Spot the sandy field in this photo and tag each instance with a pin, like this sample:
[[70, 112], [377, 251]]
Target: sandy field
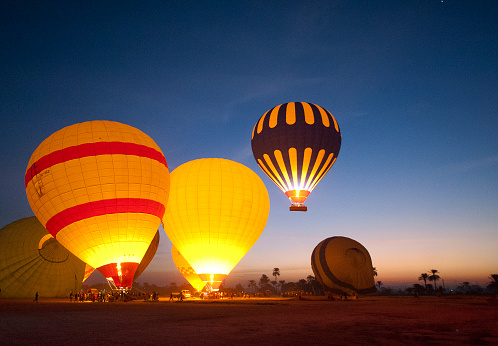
[[370, 320]]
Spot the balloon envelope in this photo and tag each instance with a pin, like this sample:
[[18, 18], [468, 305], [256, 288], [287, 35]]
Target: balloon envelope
[[216, 212], [343, 265], [31, 261], [100, 188], [186, 270], [296, 144]]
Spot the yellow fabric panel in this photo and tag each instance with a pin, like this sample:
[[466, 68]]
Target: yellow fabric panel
[[290, 113], [275, 172], [328, 168], [274, 117], [261, 122], [309, 117], [263, 166], [306, 164], [111, 238], [293, 163], [318, 160], [322, 172], [325, 117], [33, 261], [283, 169], [216, 212]]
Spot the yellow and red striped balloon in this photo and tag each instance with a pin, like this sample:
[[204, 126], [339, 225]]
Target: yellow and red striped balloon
[[100, 188]]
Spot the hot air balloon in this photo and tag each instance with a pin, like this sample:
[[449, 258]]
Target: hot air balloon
[[296, 144], [100, 188], [342, 265], [186, 270], [31, 261], [216, 212]]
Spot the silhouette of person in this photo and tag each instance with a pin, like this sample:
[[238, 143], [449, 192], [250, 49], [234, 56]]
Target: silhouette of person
[[36, 297]]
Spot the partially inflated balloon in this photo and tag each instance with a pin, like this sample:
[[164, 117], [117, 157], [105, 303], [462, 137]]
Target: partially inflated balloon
[[343, 265], [216, 212], [31, 261], [296, 144], [186, 270], [100, 188]]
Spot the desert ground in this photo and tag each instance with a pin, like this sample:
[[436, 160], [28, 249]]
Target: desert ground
[[447, 320]]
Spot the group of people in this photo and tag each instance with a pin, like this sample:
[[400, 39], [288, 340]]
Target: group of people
[[81, 297]]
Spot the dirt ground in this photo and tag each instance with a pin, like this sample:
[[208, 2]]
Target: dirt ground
[[373, 320]]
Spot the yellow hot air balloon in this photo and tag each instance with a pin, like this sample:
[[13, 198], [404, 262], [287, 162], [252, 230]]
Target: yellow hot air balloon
[[186, 270], [216, 212], [296, 144], [100, 188]]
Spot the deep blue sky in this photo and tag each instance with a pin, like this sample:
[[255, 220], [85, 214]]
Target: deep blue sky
[[412, 84]]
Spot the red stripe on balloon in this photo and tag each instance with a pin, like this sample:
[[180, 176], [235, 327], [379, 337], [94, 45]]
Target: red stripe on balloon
[[92, 149], [103, 207]]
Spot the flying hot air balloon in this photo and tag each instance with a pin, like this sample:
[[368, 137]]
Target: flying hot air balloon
[[186, 270], [342, 265], [100, 188], [216, 212], [296, 144]]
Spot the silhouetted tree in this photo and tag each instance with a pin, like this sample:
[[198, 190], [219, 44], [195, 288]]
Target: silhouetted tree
[[424, 277], [276, 272], [493, 285], [419, 289], [374, 270], [264, 282], [379, 283], [301, 284], [434, 277], [465, 287]]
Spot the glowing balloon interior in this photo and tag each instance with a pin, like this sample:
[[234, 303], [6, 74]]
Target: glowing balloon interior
[[100, 188], [343, 265], [296, 144], [186, 270], [216, 212]]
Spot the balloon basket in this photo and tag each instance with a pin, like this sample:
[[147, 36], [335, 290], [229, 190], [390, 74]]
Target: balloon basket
[[298, 207]]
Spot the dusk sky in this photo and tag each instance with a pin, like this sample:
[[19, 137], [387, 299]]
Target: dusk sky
[[413, 86]]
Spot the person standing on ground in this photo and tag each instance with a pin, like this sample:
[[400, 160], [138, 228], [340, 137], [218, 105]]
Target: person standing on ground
[[36, 298]]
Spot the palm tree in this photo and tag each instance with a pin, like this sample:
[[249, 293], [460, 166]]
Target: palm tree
[[374, 270], [434, 277], [424, 277], [276, 272], [379, 283], [493, 285]]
